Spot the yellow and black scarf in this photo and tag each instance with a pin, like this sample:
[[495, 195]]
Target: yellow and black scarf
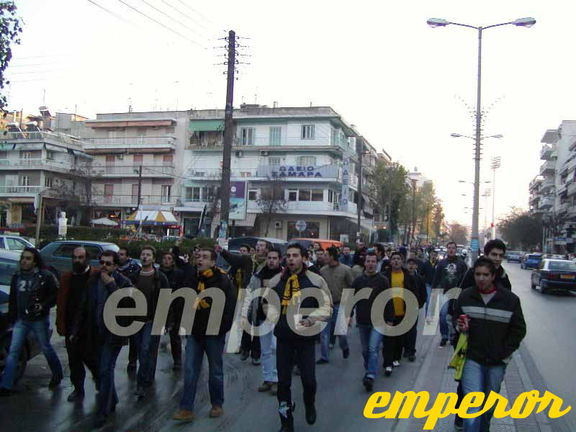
[[202, 278], [291, 292]]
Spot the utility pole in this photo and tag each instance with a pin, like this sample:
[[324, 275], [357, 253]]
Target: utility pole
[[228, 137], [495, 165], [413, 228], [138, 212], [39, 217], [360, 149]]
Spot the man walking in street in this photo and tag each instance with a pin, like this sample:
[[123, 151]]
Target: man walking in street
[[449, 273], [33, 292], [149, 282], [429, 268], [129, 268], [346, 258], [338, 277], [70, 322], [199, 342], [494, 250], [399, 278], [256, 317], [492, 317], [296, 348], [370, 337], [174, 276], [420, 291], [101, 285]]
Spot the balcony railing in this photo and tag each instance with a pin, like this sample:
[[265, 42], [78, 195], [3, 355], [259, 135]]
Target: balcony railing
[[546, 152], [32, 191], [161, 142], [42, 164], [548, 167], [545, 203], [49, 137], [132, 200], [132, 170]]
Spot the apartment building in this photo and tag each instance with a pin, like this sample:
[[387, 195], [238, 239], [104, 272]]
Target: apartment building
[[137, 160], [34, 161], [294, 173]]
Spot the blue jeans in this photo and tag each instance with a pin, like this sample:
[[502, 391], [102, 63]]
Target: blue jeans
[[370, 339], [325, 335], [196, 346], [107, 398], [268, 357], [478, 378], [20, 332], [445, 325], [147, 348], [428, 295]]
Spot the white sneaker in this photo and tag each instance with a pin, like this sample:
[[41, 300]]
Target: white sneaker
[[388, 370], [395, 363]]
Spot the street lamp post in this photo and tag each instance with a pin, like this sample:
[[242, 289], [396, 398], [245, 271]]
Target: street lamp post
[[437, 22], [495, 165]]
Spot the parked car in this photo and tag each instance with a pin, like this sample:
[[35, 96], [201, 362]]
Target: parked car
[[8, 265], [235, 243], [514, 256], [531, 261], [554, 274], [324, 243], [58, 254], [14, 243]]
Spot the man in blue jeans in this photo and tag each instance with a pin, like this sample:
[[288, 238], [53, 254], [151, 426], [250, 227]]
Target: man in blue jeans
[[449, 272], [33, 292], [370, 337], [200, 340], [492, 317]]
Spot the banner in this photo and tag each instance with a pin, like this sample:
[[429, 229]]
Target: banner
[[237, 200]]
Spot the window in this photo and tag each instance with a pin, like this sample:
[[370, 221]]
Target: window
[[135, 193], [24, 181], [209, 193], [307, 132], [274, 160], [49, 155], [138, 159], [247, 136], [7, 269], [166, 192], [252, 194], [108, 192], [307, 161], [330, 196], [334, 136], [167, 160], [15, 244], [193, 194], [317, 195], [292, 195], [48, 181], [275, 136], [65, 250], [304, 195], [3, 154], [93, 252], [245, 174]]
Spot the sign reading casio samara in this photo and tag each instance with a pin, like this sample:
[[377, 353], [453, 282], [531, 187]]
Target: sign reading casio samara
[[296, 171]]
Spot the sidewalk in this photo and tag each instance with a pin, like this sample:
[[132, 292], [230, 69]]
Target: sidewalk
[[517, 380]]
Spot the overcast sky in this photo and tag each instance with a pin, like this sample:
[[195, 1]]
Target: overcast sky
[[405, 86]]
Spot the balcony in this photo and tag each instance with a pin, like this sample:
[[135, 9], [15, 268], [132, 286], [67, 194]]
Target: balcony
[[546, 152], [547, 185], [571, 189], [204, 174], [165, 170], [535, 184], [546, 203], [548, 168], [562, 188], [27, 192], [42, 164], [162, 144], [25, 137], [131, 200]]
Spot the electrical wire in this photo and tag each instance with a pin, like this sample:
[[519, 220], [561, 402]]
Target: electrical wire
[[121, 18], [184, 14], [169, 17]]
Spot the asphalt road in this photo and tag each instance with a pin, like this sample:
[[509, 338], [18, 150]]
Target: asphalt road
[[551, 321]]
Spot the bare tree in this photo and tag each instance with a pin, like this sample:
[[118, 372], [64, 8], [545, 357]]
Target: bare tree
[[272, 200]]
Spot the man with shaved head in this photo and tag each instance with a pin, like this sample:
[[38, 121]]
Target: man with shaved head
[[69, 323]]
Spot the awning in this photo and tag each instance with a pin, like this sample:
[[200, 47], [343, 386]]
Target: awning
[[248, 222], [206, 125], [151, 217]]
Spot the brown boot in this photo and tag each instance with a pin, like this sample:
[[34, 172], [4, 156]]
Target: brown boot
[[216, 411], [265, 386], [183, 416]]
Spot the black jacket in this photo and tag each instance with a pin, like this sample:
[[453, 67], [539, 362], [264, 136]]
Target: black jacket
[[496, 329], [241, 268], [409, 284], [160, 282], [421, 293], [378, 283], [44, 289], [219, 280], [429, 269], [500, 279], [449, 273]]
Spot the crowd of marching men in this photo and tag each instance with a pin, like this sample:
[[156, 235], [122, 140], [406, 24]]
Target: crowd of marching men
[[286, 341]]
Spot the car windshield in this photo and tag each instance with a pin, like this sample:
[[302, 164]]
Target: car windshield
[[534, 256], [562, 265]]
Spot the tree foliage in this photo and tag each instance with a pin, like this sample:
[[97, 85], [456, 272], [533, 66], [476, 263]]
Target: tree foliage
[[522, 230], [272, 200], [458, 233], [10, 29]]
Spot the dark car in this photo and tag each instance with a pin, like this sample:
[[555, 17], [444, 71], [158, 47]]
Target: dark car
[[8, 266], [58, 254], [531, 261], [554, 274], [514, 256]]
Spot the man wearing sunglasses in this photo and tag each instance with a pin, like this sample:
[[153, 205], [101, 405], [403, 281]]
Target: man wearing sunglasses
[[101, 286]]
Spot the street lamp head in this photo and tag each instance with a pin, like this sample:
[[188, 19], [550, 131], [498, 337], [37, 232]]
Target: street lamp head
[[496, 136], [455, 135], [437, 22], [524, 22]]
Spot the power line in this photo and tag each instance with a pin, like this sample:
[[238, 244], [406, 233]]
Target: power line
[[194, 10], [159, 23], [114, 14], [185, 15], [168, 16]]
